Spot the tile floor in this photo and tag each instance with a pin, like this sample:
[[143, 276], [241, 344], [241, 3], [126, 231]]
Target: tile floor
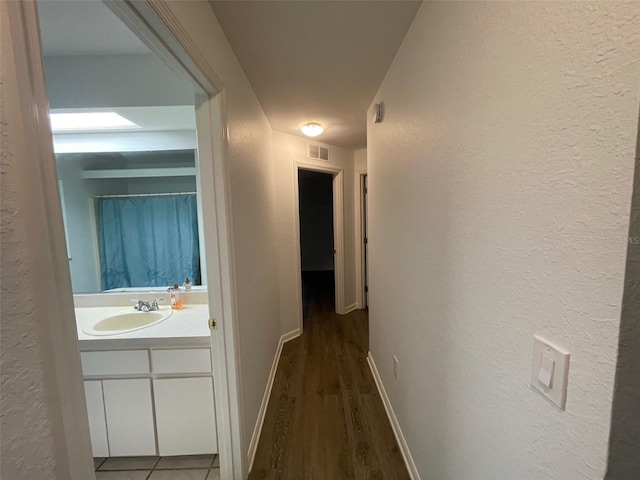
[[189, 467]]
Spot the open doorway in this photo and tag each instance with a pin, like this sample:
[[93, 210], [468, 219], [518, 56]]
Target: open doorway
[[317, 250], [335, 176], [148, 395]]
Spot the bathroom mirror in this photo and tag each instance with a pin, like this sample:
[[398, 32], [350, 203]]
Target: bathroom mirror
[[131, 219], [124, 136]]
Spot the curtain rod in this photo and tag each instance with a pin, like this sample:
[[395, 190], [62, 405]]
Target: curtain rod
[[128, 195]]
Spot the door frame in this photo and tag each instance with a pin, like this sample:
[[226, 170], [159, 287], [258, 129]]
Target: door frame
[[360, 223], [338, 233], [155, 25]]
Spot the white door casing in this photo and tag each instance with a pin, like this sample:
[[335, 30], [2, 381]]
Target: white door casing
[[156, 26], [338, 233]]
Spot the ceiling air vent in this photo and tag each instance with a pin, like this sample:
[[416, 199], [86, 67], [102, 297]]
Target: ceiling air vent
[[318, 153]]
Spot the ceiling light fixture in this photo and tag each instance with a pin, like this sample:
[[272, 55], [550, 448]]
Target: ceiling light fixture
[[63, 122], [312, 129]]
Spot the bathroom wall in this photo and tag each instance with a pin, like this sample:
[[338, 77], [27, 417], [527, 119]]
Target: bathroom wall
[[500, 182]]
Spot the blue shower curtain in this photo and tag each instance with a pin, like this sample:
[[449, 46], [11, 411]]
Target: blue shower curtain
[[148, 241]]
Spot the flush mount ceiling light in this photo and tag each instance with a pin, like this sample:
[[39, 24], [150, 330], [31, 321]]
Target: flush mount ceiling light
[[62, 122], [312, 129]]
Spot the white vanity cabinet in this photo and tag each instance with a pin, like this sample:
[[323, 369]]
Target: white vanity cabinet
[[128, 411], [97, 420], [152, 401], [182, 405]]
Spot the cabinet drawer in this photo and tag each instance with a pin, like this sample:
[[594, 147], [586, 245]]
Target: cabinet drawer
[[183, 360], [122, 362]]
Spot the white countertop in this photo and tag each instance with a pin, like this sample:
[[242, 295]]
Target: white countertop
[[188, 326]]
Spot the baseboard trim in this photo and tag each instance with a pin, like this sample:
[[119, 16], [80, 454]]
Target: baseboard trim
[[257, 430], [351, 308], [397, 431]]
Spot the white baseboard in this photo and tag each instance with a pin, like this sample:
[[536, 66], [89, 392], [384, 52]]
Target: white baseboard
[[404, 448], [253, 445], [351, 308]]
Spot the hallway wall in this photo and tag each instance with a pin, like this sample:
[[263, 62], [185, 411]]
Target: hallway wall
[[500, 185]]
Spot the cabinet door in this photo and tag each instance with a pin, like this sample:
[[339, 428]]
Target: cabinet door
[[129, 415], [97, 422], [185, 416]]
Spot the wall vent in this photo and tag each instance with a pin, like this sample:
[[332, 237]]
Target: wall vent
[[317, 152]]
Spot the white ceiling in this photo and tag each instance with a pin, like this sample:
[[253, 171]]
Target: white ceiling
[[320, 61], [84, 27], [307, 61]]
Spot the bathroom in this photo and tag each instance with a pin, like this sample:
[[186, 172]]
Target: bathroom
[[124, 134]]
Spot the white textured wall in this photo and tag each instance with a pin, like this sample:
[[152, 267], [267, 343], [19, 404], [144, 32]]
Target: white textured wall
[[360, 159], [252, 186], [500, 188], [287, 150], [45, 432]]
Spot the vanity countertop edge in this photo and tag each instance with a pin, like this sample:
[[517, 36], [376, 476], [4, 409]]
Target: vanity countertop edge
[[185, 327]]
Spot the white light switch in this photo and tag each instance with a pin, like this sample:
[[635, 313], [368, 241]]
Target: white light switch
[[545, 374], [550, 371]]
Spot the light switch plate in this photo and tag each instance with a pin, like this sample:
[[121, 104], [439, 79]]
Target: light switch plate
[[557, 393]]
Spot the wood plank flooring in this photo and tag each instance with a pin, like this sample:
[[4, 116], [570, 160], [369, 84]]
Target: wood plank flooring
[[325, 418]]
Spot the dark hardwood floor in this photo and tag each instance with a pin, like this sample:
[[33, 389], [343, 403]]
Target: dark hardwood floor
[[325, 418]]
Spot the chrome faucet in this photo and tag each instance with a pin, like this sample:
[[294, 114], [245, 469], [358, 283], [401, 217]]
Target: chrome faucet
[[147, 306]]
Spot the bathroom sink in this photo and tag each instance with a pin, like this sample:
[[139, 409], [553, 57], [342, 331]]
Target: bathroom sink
[[127, 321]]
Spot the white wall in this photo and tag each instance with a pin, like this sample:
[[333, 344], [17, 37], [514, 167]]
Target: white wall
[[45, 432], [252, 183], [360, 160], [113, 81], [500, 187], [287, 150]]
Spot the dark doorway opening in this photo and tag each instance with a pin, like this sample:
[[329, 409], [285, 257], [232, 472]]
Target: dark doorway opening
[[317, 251]]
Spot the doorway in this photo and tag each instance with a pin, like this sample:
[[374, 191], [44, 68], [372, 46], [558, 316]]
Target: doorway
[[336, 176], [317, 251], [205, 170]]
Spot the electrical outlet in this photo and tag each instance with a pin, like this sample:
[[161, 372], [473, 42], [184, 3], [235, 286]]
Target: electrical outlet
[[395, 366]]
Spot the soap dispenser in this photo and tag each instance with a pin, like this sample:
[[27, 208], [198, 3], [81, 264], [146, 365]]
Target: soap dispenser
[[177, 302]]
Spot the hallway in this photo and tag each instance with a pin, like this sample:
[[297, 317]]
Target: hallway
[[325, 418]]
